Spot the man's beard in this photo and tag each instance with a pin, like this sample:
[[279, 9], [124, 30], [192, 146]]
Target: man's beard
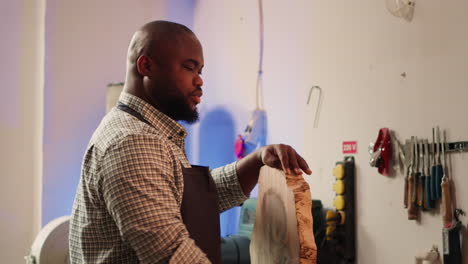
[[179, 109]]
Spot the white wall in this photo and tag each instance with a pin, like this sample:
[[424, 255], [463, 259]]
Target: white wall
[[86, 46], [356, 53], [21, 72], [229, 32]]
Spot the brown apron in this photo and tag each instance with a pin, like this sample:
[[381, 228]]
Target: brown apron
[[200, 208], [200, 211]]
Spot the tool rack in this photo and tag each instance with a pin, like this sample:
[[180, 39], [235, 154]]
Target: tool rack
[[340, 242], [428, 183]]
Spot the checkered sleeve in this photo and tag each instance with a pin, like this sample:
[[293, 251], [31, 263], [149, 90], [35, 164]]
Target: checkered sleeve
[[229, 189], [139, 190]]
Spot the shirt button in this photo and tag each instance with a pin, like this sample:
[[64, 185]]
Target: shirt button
[[170, 138]]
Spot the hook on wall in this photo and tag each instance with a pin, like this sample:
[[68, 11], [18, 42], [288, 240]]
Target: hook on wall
[[319, 102]]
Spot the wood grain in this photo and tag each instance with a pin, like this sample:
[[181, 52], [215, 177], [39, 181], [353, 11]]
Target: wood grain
[[283, 222]]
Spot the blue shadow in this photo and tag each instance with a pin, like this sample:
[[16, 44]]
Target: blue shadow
[[216, 148]]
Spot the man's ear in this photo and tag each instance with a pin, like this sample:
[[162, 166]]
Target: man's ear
[[145, 66]]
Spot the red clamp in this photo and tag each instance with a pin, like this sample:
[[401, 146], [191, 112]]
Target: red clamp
[[383, 151]]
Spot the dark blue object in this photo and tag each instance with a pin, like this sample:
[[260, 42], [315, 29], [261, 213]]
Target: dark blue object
[[235, 250], [427, 193], [452, 245], [433, 183], [438, 181]]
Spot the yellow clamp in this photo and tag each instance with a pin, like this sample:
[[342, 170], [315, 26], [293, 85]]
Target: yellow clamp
[[339, 202], [339, 187], [330, 219], [329, 231], [330, 215], [342, 217], [338, 171]]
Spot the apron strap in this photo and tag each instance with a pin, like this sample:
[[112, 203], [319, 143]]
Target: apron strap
[[127, 109]]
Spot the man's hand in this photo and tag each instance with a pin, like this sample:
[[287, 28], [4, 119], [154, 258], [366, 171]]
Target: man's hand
[[282, 157]]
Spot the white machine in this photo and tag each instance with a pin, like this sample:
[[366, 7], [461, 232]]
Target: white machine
[[51, 244]]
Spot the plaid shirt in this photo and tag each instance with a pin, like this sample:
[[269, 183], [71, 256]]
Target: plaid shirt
[[127, 206]]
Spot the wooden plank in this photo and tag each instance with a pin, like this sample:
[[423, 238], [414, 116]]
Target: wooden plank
[[283, 221]]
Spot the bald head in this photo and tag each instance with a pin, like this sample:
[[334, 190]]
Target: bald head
[[152, 38]]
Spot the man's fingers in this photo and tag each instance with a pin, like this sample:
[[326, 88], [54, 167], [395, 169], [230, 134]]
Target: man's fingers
[[284, 158], [304, 166], [293, 161]]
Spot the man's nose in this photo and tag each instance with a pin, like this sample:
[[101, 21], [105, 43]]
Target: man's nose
[[198, 81]]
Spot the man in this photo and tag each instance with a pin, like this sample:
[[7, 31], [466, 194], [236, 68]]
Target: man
[[139, 200]]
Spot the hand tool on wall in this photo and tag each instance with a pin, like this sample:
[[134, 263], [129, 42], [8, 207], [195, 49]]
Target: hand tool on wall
[[451, 240], [412, 209], [420, 175], [398, 159], [401, 157], [428, 202], [382, 152], [408, 163], [416, 175], [439, 169], [447, 208], [434, 165], [451, 230]]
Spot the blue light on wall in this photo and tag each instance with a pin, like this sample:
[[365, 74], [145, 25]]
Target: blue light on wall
[[216, 143]]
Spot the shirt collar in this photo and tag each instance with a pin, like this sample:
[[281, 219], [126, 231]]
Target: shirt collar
[[168, 127]]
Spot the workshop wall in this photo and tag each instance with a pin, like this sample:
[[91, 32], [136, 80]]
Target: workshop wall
[[357, 53], [21, 73], [86, 47]]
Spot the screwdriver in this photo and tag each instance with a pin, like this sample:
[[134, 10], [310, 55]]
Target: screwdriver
[[447, 213], [428, 202], [433, 168], [409, 164], [421, 177], [452, 229], [412, 209], [439, 172]]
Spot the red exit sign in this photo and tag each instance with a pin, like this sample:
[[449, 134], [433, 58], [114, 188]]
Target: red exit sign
[[349, 147]]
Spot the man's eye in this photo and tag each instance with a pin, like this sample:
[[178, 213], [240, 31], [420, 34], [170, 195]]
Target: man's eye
[[188, 68]]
